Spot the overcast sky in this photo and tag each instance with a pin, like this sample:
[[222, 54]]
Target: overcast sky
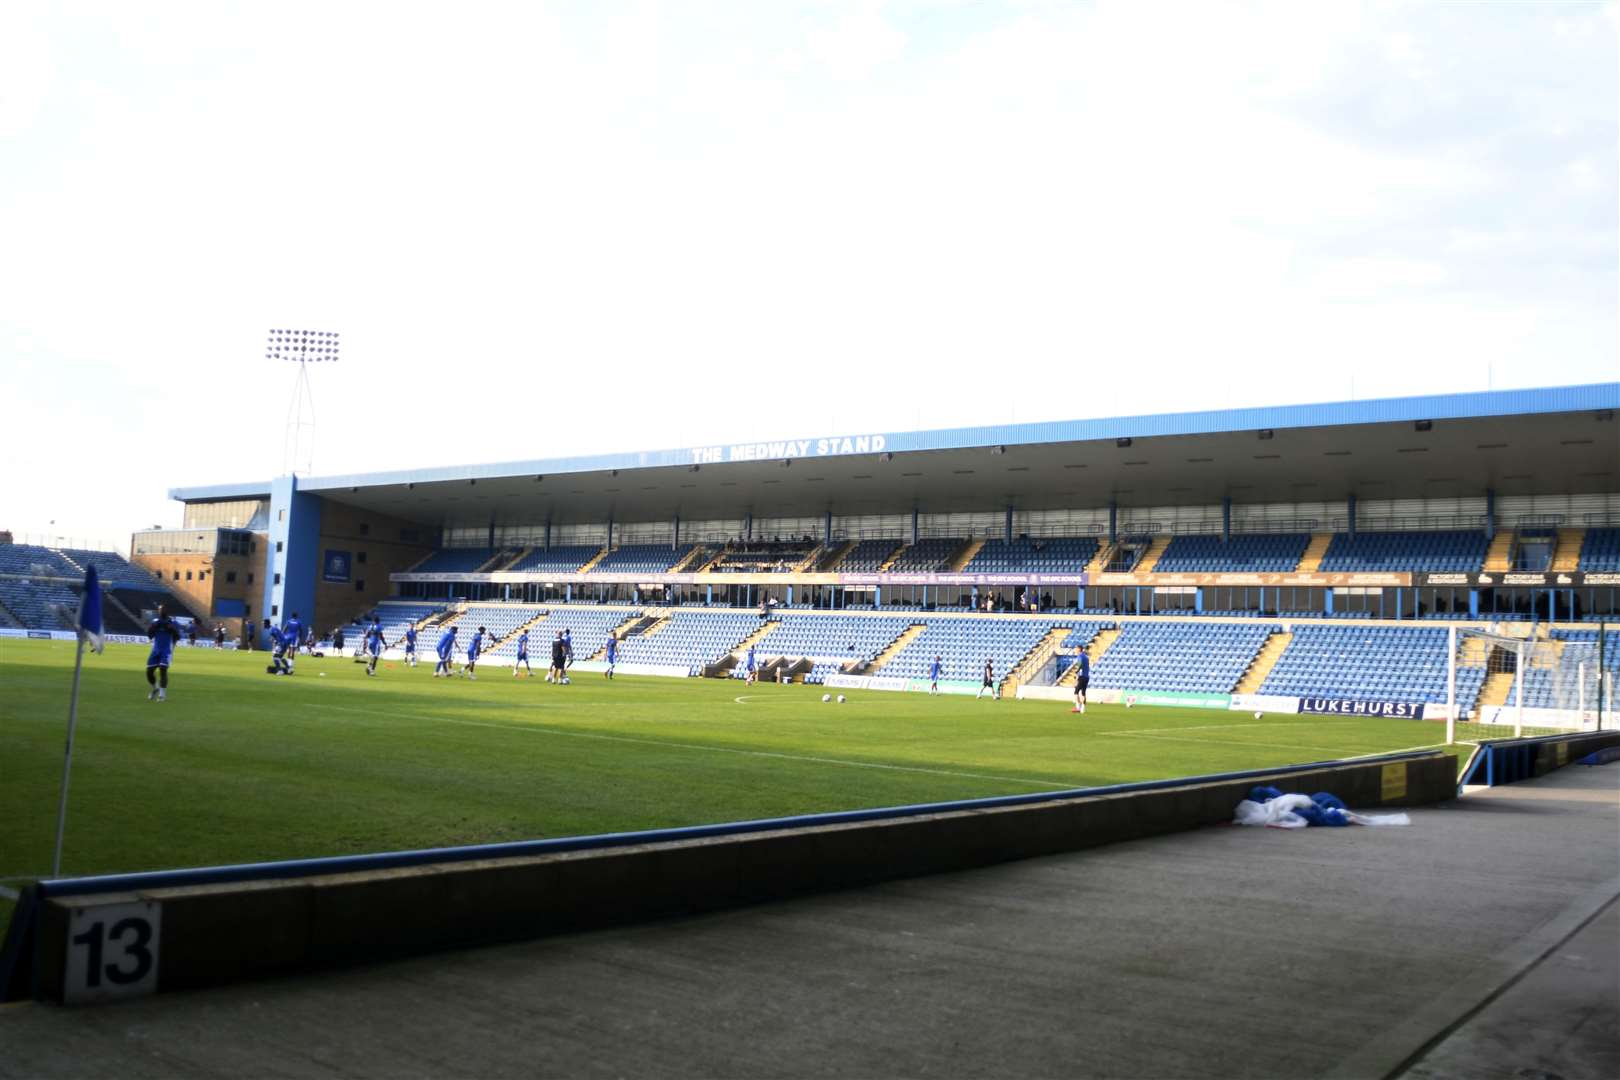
[[565, 228]]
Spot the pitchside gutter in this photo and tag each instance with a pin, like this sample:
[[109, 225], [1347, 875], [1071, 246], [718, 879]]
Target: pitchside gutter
[[90, 939]]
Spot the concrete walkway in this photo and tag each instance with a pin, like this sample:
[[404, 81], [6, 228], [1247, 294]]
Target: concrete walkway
[[1431, 950]]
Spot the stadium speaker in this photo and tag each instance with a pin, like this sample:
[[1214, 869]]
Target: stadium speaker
[[1122, 443]]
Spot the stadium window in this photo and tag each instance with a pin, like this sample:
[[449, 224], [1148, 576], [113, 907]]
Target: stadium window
[[360, 557], [365, 528], [188, 575], [177, 575], [230, 577], [275, 609], [250, 577], [277, 581], [281, 515], [359, 584], [278, 547]]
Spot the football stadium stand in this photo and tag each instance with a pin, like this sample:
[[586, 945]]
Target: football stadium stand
[[830, 642], [456, 560], [555, 560], [868, 556], [39, 605], [1244, 552], [1440, 550], [1601, 551], [1179, 656], [965, 644], [688, 639], [1045, 555], [1371, 663], [927, 555], [640, 559]]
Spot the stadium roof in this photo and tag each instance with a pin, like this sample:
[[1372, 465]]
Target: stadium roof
[[1539, 441]]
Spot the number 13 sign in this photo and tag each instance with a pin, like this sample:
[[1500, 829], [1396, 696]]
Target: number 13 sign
[[113, 951]]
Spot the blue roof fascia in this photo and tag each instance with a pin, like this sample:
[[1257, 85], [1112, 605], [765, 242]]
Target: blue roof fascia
[[1477, 404]]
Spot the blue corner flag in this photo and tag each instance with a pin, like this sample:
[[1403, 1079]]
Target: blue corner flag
[[90, 611]]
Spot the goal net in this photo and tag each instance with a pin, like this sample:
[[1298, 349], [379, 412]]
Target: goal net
[[1520, 680]]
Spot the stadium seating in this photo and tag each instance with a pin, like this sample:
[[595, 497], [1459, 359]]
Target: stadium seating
[[1041, 555], [831, 641], [964, 644], [456, 560], [927, 555], [395, 617], [1243, 553], [1601, 551], [556, 560], [1370, 663], [1188, 657], [689, 639], [762, 556], [1457, 550], [640, 559], [35, 604], [34, 561], [110, 566], [866, 556]]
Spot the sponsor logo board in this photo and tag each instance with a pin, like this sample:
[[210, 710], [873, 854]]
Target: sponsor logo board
[[1332, 706]]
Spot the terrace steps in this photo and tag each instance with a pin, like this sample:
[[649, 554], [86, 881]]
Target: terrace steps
[[1311, 561], [892, 649], [1035, 659], [1567, 555], [1499, 556], [810, 559], [833, 556], [620, 632], [500, 560], [1498, 685], [1099, 562], [516, 630], [894, 557], [1264, 660], [964, 556], [756, 637], [1150, 557], [692, 555], [593, 560], [1095, 649]]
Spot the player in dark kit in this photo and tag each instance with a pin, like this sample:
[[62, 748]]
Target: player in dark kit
[[1082, 679], [164, 632], [989, 682], [374, 644], [559, 661]]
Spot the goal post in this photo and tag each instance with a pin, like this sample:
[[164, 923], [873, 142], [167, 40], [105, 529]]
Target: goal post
[[1517, 680]]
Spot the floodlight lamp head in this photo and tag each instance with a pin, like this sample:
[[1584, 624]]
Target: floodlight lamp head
[[302, 346]]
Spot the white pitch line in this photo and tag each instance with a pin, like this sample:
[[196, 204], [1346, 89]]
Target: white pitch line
[[665, 744]]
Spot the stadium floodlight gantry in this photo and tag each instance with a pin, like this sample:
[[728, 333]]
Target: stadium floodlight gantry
[[1485, 507]]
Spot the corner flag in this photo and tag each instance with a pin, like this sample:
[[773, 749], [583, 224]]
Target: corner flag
[[89, 626]]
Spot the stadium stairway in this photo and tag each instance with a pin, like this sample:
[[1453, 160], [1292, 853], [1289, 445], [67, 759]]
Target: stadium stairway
[[1095, 649], [1499, 556], [693, 555], [540, 616], [1150, 557], [1567, 555], [755, 638], [8, 620], [1036, 658], [1264, 661], [808, 563], [593, 560], [833, 556], [1099, 562], [1498, 685], [964, 556], [622, 631], [501, 560], [1311, 561], [893, 648]]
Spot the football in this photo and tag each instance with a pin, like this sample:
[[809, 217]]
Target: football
[[840, 699], [1258, 714], [826, 697]]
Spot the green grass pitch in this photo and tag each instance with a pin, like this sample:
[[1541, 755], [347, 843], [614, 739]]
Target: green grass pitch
[[241, 766]]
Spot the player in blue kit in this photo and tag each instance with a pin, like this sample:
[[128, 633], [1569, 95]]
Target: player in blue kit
[[753, 673], [292, 636], [410, 645], [1082, 679], [933, 675], [374, 644], [612, 654], [522, 655], [446, 648], [474, 647], [278, 649], [164, 632]]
